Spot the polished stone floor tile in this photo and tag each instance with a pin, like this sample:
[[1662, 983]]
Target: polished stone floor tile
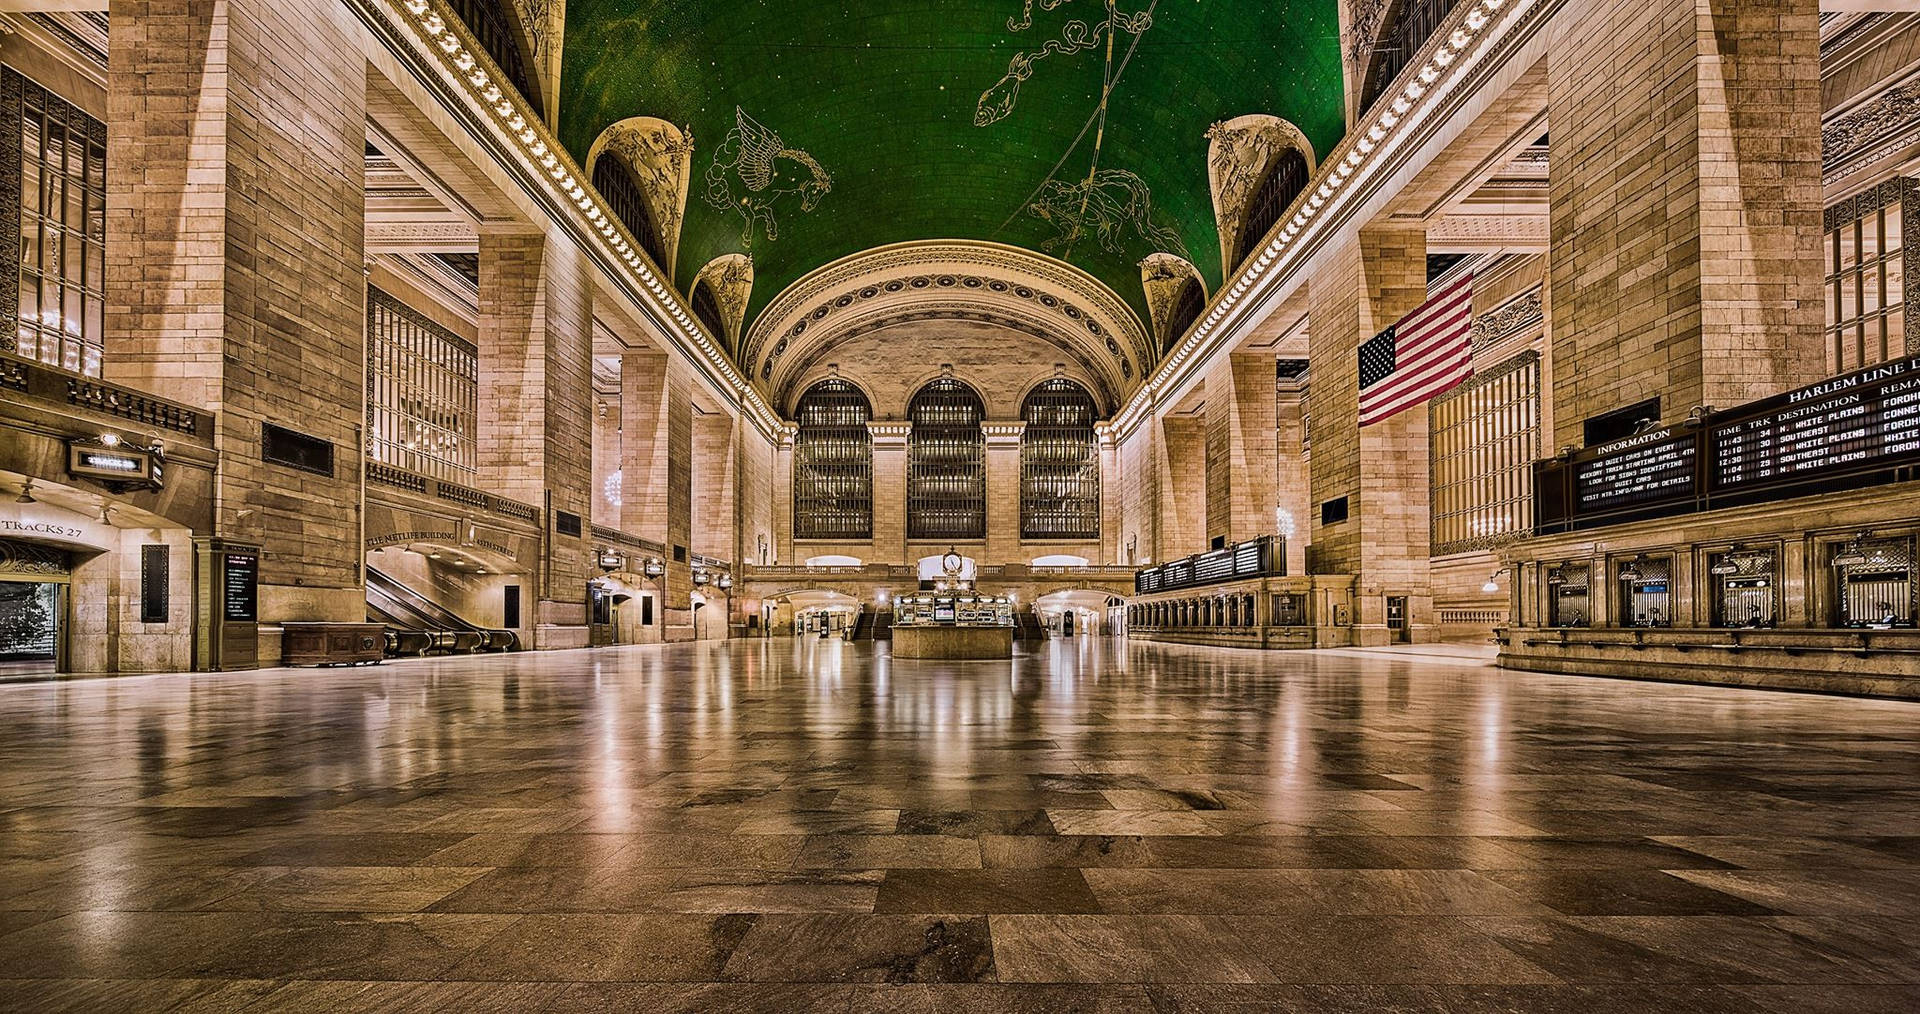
[[1102, 827]]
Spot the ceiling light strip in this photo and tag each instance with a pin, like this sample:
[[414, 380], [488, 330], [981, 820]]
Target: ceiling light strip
[[477, 74], [1360, 157]]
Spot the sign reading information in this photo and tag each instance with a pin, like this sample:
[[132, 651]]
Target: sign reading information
[[1639, 471]]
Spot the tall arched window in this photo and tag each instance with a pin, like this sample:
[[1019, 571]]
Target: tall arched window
[[1282, 184], [1059, 463], [707, 308], [493, 24], [946, 463], [1187, 308], [624, 198], [833, 464]]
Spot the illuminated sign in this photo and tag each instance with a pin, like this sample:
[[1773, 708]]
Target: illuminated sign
[[118, 467]]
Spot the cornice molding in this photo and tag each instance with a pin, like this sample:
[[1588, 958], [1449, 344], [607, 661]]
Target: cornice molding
[[1050, 298]]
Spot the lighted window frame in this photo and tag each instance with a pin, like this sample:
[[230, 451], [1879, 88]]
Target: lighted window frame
[[833, 464], [946, 463], [423, 392], [1059, 463], [1864, 254], [59, 315], [1484, 437]]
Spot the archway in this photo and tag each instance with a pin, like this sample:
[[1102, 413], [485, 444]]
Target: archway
[[1075, 612]]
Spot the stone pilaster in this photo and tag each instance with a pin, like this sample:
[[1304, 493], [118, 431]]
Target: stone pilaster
[[1685, 193], [1003, 489], [889, 491], [716, 521], [1181, 488], [235, 265], [536, 409], [1241, 450], [782, 493], [1381, 471], [657, 450]]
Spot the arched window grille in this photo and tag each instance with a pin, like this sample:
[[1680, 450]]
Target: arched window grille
[[946, 463], [492, 25], [1282, 184], [1059, 463], [707, 308], [1186, 309], [833, 464], [623, 196], [1409, 24]]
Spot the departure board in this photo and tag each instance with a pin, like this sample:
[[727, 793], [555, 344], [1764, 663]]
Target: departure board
[[1864, 421], [1639, 472]]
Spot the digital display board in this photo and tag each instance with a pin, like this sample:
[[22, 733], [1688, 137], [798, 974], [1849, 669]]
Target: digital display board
[[1862, 422], [1637, 472], [1856, 430]]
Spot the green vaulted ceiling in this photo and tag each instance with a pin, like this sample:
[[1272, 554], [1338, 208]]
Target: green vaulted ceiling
[[900, 120]]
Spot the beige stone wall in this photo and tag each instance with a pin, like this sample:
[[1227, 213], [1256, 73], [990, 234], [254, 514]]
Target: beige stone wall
[[1181, 469], [1137, 465], [714, 524], [1685, 190], [234, 261]]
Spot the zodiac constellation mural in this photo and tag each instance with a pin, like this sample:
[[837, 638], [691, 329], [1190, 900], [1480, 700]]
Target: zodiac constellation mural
[[1104, 207], [1076, 36], [753, 171]]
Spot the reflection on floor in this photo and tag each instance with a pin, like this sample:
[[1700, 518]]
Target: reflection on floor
[[809, 825]]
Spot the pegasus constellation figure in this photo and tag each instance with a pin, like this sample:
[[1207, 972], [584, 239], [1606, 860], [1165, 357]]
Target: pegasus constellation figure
[[1075, 36], [753, 170]]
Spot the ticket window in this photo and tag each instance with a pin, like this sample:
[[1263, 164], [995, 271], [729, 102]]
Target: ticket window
[[1645, 591], [1876, 583], [1743, 583], [1569, 595]]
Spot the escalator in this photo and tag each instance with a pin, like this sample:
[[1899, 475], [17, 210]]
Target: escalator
[[416, 625]]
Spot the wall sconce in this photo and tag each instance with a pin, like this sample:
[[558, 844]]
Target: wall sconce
[[654, 567], [1630, 571], [1492, 587]]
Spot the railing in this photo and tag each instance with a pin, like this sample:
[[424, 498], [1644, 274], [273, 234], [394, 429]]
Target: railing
[[711, 563], [1400, 42], [615, 536], [1265, 556], [439, 489], [43, 383]]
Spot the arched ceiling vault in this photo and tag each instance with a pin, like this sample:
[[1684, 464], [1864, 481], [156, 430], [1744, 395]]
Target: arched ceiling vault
[[821, 128], [949, 279]]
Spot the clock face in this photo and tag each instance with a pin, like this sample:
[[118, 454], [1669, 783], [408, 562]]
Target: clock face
[[951, 563]]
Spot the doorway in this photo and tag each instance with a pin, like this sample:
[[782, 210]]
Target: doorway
[[32, 634], [1398, 630]]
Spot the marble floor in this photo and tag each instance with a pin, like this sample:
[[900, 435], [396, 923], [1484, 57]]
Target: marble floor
[[811, 826]]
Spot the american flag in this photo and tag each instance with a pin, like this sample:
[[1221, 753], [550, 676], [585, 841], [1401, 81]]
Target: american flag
[[1427, 353]]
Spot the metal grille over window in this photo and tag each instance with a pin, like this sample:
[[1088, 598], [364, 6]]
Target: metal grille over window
[[1485, 437], [1186, 309], [833, 464], [422, 392], [1645, 592], [1277, 192], [1876, 586], [1743, 584], [62, 230], [1059, 464], [1865, 253], [946, 463], [1569, 595], [622, 193]]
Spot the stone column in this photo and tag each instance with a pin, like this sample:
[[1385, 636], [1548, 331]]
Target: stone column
[[716, 524], [1685, 204], [1003, 492], [1381, 471], [1241, 450], [235, 266], [1113, 512], [1292, 491], [889, 491], [1182, 501], [783, 499], [606, 454], [657, 450], [536, 405]]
